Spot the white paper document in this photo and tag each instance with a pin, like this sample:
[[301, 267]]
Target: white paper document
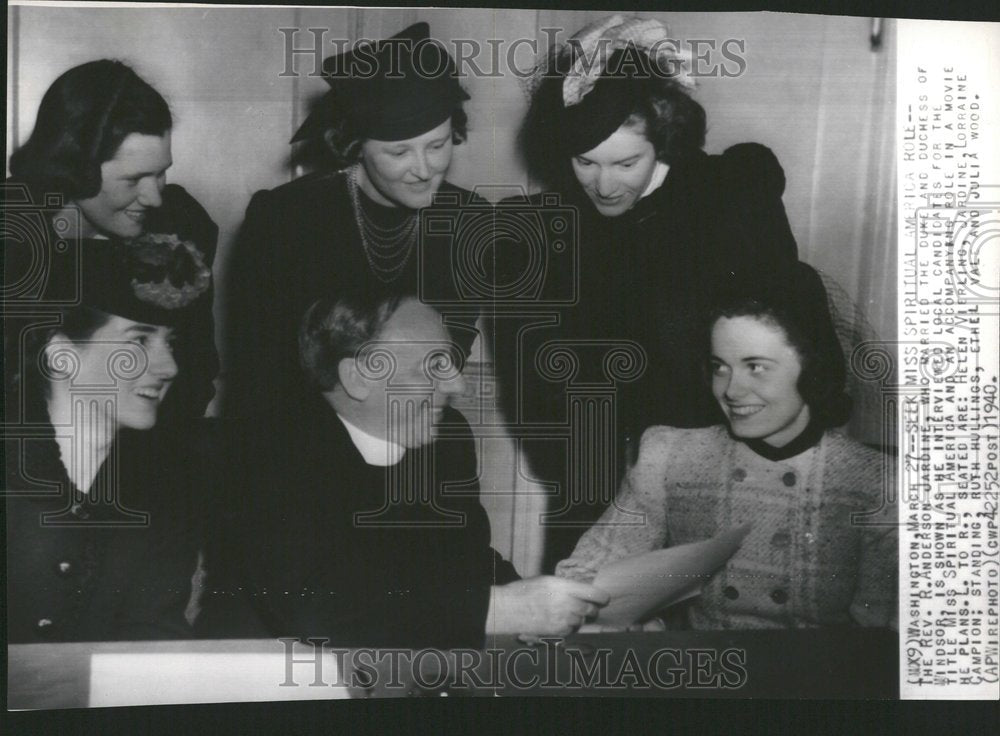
[[644, 583]]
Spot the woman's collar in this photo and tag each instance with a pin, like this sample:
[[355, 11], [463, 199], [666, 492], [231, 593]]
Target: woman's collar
[[808, 438], [660, 171]]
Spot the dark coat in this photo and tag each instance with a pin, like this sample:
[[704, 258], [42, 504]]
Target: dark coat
[[648, 276], [79, 569], [293, 557], [52, 283], [298, 243]]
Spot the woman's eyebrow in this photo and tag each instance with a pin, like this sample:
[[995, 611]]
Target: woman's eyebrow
[[144, 174], [627, 160], [143, 329]]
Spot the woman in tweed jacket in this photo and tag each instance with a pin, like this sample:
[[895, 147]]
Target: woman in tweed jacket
[[822, 547]]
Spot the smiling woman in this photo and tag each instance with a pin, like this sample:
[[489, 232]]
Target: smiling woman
[[754, 377], [620, 170], [406, 173], [388, 138], [614, 130], [101, 540], [822, 546], [131, 184], [137, 398]]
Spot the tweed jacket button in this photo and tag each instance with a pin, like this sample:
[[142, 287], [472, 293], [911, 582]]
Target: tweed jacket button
[[64, 569], [788, 479], [739, 475], [79, 512], [730, 592], [779, 596], [781, 540]]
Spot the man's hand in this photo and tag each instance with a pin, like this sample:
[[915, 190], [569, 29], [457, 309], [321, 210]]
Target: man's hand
[[542, 605]]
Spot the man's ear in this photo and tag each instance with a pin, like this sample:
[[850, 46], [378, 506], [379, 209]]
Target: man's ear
[[351, 379]]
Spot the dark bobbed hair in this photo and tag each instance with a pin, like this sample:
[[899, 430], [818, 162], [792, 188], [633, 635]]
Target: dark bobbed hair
[[661, 107], [334, 329], [26, 381], [795, 301], [340, 145], [82, 120]]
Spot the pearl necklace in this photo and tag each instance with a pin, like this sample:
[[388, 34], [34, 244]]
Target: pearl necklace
[[387, 250]]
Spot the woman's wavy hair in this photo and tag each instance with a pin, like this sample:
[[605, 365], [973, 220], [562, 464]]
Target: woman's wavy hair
[[27, 380], [672, 121], [83, 119], [795, 301]]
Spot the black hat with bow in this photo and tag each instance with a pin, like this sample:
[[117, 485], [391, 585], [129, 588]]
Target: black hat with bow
[[388, 90]]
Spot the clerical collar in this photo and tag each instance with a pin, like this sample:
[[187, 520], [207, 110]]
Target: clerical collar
[[808, 437], [374, 450], [656, 180]]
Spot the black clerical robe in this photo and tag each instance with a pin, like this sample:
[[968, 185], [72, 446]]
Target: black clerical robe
[[318, 543]]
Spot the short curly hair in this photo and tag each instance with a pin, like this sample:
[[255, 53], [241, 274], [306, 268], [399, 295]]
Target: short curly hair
[[334, 329], [661, 107], [82, 120], [795, 301]]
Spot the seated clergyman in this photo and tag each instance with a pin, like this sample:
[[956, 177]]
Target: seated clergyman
[[358, 520]]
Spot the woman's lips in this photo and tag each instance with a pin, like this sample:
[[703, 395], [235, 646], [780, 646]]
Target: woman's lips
[[741, 412]]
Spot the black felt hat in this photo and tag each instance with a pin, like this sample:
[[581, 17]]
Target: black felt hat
[[390, 90], [155, 279], [615, 96]]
